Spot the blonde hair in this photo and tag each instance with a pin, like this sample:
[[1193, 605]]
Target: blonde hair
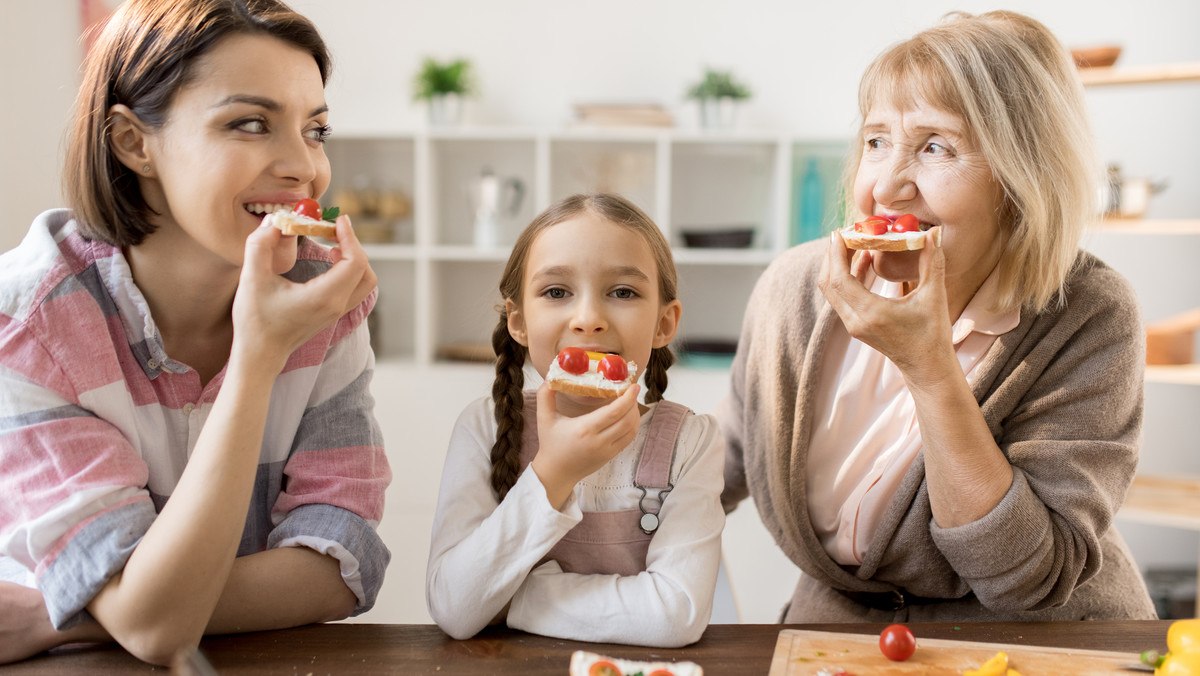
[[1015, 87], [507, 388]]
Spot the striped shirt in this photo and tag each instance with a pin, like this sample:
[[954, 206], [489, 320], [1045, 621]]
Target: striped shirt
[[97, 423]]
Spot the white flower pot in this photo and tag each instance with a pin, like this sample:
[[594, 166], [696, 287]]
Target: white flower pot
[[719, 113], [445, 110]]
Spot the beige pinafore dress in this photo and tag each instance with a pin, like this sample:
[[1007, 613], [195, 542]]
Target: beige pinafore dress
[[616, 542]]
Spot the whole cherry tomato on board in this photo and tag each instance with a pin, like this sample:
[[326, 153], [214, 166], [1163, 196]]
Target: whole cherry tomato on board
[[573, 360], [613, 367], [308, 207], [906, 223], [897, 643]]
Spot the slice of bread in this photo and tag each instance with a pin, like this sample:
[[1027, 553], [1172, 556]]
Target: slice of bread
[[582, 662], [590, 383], [888, 241], [291, 223]]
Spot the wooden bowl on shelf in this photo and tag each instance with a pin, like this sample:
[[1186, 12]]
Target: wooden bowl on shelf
[[1100, 56]]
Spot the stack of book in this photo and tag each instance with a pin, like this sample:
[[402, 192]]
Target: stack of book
[[622, 115]]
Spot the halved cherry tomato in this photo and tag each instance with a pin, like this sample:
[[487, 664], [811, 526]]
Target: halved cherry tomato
[[613, 367], [308, 207], [660, 672], [897, 643], [573, 360], [872, 225], [906, 223], [604, 668]]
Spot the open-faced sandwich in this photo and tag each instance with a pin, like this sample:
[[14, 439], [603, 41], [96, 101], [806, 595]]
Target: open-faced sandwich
[[306, 218], [591, 374], [584, 663], [880, 233]]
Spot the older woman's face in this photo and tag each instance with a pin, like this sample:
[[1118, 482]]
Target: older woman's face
[[921, 161]]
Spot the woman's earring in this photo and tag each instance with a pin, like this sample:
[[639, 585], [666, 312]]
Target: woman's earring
[[146, 169]]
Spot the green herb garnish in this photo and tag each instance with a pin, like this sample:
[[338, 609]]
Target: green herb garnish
[[330, 213]]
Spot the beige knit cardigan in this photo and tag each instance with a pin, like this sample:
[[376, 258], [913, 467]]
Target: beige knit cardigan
[[1062, 396]]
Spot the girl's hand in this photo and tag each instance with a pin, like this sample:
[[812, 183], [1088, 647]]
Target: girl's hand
[[273, 316], [570, 449], [905, 329]]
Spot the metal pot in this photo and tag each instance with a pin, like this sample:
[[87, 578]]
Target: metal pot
[[1129, 197]]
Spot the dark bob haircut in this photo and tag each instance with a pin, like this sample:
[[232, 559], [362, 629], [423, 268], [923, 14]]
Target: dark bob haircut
[[143, 56]]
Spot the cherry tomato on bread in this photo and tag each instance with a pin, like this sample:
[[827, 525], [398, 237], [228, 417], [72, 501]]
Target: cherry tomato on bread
[[613, 367], [660, 672], [604, 668], [573, 360], [308, 207], [872, 225], [897, 643], [906, 223]]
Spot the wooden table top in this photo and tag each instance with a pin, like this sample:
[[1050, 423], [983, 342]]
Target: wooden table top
[[725, 649]]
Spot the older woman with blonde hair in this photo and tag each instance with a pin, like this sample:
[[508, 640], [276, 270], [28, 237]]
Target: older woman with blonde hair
[[945, 434]]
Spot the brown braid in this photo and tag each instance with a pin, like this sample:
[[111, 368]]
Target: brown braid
[[510, 404], [656, 373]]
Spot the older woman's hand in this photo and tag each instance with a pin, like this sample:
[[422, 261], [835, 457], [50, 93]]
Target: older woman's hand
[[905, 329]]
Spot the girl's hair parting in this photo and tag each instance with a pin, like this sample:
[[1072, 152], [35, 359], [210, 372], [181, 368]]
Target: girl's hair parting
[[507, 389]]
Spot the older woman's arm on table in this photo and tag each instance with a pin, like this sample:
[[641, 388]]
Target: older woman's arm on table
[[1049, 502], [670, 603], [1072, 442]]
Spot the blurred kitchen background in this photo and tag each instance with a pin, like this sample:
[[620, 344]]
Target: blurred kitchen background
[[519, 143]]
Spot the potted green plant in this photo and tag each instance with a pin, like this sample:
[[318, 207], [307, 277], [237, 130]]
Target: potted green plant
[[443, 86], [718, 94]]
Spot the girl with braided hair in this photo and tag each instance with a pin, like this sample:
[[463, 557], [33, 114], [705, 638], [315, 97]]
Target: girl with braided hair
[[577, 517]]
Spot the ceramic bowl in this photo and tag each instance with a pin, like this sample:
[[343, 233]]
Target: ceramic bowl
[[1099, 56]]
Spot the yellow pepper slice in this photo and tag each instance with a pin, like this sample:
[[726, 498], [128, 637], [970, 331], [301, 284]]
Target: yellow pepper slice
[[997, 665], [1184, 636], [1180, 664]]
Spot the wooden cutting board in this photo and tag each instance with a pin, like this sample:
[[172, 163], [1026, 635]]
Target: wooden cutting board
[[805, 653]]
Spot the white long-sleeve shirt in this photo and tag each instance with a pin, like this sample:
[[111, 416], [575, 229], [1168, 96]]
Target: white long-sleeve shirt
[[483, 555]]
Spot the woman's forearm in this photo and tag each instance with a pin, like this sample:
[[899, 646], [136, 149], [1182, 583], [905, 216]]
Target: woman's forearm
[[967, 473], [164, 597], [280, 588]]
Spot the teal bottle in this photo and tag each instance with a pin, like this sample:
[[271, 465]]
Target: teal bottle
[[812, 203]]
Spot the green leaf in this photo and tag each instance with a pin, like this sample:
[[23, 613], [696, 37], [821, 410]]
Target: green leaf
[[330, 213], [453, 77], [719, 84]]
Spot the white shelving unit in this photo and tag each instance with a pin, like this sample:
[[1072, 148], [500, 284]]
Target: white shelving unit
[[437, 289], [1154, 498]]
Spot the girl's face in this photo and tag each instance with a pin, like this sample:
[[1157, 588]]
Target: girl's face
[[592, 284], [247, 130], [921, 161]]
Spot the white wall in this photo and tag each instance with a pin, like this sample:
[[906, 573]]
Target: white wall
[[537, 57], [40, 53]]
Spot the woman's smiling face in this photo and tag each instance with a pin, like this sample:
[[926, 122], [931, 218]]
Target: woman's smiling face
[[247, 129], [921, 160]]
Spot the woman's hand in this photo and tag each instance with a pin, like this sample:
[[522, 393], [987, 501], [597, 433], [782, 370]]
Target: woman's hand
[[906, 330], [570, 449], [25, 628], [273, 316], [968, 475]]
